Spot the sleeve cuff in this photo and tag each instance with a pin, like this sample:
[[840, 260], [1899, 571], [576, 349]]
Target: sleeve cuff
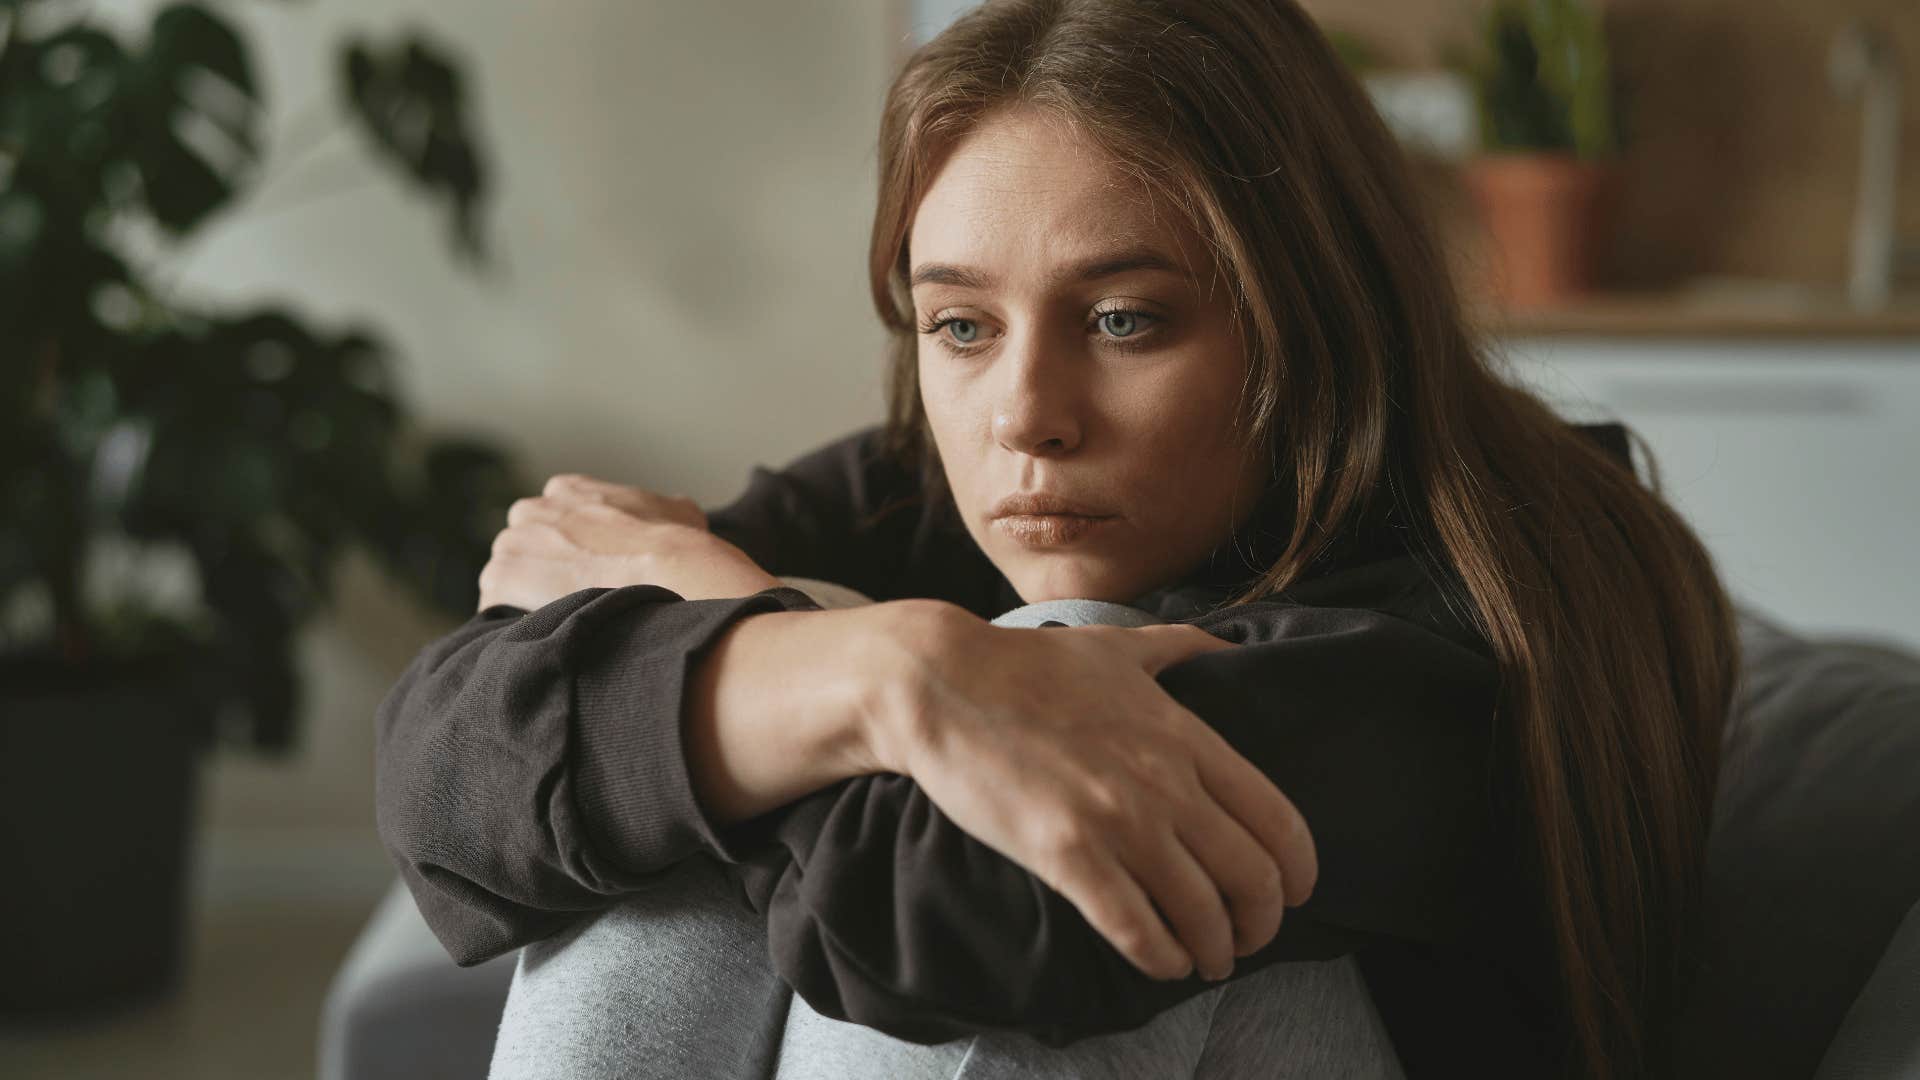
[[629, 770]]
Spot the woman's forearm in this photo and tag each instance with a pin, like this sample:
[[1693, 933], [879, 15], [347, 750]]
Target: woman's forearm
[[787, 703]]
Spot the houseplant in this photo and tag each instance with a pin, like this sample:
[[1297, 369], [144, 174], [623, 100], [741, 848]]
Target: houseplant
[[1543, 88], [177, 480]]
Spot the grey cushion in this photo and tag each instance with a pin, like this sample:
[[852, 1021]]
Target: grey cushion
[[1813, 861], [1075, 613], [401, 1009], [1881, 1034]]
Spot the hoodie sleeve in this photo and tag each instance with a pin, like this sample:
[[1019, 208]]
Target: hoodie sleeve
[[529, 765]]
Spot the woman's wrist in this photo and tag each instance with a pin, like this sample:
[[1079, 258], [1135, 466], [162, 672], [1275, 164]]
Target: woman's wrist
[[786, 703], [894, 712]]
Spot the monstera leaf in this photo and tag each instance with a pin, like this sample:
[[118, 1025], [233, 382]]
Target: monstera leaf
[[262, 602], [450, 498], [250, 447], [176, 122], [194, 116], [24, 238], [257, 425], [62, 115], [409, 99], [266, 447]]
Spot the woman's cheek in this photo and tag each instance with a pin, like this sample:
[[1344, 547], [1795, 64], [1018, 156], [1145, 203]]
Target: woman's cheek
[[957, 424]]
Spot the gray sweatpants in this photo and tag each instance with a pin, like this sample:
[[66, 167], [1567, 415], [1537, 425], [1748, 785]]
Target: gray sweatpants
[[675, 983]]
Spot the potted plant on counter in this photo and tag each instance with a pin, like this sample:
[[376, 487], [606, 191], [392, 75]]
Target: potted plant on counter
[[177, 481], [1543, 89]]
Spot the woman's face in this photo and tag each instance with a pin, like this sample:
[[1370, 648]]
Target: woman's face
[[1071, 350]]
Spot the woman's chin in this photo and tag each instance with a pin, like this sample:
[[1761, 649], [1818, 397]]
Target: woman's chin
[[1070, 582]]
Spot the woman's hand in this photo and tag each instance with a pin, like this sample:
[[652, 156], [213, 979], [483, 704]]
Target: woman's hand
[[582, 533], [1057, 748]]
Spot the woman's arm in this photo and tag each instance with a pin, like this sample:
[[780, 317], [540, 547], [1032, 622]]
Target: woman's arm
[[882, 910], [784, 705], [536, 768], [530, 764], [1054, 748]]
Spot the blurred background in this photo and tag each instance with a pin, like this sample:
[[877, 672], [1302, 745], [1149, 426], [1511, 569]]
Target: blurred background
[[296, 297]]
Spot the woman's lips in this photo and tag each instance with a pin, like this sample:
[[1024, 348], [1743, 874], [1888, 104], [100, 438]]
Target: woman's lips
[[1049, 530]]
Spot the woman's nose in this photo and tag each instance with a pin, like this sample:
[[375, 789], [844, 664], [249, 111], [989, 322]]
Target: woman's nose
[[1039, 411]]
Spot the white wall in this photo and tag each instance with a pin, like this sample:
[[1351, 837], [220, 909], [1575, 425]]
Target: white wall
[[683, 196], [929, 17], [1792, 459]]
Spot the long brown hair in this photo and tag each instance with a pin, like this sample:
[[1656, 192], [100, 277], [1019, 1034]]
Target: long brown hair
[[1613, 635]]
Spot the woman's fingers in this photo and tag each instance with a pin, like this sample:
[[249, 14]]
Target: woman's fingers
[[528, 510], [1257, 851], [1246, 874], [1189, 899], [528, 583], [1170, 844], [1246, 793], [1114, 904], [634, 500]]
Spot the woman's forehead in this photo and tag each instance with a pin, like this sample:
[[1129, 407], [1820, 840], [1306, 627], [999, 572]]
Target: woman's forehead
[[1025, 196]]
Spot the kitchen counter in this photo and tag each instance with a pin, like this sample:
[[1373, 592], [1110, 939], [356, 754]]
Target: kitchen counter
[[1707, 310], [1793, 456]]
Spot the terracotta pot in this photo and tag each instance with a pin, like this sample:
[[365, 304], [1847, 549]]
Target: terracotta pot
[[1543, 215]]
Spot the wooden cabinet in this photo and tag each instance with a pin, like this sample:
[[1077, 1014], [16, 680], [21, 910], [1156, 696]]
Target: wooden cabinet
[[1798, 461]]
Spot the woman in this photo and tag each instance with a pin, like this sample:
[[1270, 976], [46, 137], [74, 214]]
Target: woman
[[1168, 331]]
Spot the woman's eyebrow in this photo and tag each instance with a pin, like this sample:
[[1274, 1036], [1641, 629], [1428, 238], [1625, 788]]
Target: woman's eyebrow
[[1089, 269]]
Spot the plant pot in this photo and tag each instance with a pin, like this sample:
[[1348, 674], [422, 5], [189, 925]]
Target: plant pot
[[97, 781], [1543, 216]]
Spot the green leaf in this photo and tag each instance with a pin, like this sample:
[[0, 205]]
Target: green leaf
[[261, 444], [47, 308], [260, 601], [22, 233], [1354, 50], [1574, 64], [451, 496], [1542, 81], [195, 116], [61, 120], [410, 100]]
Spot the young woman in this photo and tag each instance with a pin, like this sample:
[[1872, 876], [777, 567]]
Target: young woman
[[1444, 679]]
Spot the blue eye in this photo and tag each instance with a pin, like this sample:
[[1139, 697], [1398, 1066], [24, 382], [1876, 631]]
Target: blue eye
[[1120, 323], [963, 330]]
